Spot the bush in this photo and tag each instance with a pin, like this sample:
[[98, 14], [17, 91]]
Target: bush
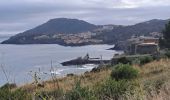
[[124, 60], [114, 90], [51, 95], [79, 93], [19, 94], [145, 60], [167, 54], [122, 71], [9, 86], [136, 61]]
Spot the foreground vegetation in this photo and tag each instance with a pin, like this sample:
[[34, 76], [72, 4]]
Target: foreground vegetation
[[148, 81]]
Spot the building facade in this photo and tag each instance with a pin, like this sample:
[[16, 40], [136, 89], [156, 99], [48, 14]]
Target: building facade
[[142, 45]]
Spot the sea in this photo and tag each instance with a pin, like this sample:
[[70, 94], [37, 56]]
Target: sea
[[19, 63]]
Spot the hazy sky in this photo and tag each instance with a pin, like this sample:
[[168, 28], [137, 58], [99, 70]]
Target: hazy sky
[[20, 15]]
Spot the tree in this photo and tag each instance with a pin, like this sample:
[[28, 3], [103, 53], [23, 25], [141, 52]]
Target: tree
[[165, 42]]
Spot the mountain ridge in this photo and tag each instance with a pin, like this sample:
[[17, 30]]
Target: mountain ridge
[[56, 24], [108, 34]]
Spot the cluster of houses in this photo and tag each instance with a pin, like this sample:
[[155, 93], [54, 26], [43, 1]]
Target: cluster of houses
[[142, 45]]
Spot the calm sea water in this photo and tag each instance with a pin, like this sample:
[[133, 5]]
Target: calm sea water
[[19, 60]]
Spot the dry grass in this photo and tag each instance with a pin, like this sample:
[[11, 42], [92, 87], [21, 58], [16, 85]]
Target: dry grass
[[154, 81], [156, 66], [66, 83]]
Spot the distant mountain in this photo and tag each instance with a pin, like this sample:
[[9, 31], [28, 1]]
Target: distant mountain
[[4, 37], [124, 32], [108, 34], [53, 26], [62, 25]]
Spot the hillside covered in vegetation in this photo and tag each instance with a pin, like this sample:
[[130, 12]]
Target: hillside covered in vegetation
[[148, 81], [74, 32]]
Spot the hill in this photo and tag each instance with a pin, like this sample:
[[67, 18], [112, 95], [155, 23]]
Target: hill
[[152, 83], [122, 33], [62, 25], [65, 31]]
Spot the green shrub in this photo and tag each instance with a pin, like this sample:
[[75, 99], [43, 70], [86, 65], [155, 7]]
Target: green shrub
[[145, 60], [9, 86], [136, 61], [52, 95], [114, 90], [122, 71], [79, 93], [19, 94], [124, 60], [167, 54], [4, 94]]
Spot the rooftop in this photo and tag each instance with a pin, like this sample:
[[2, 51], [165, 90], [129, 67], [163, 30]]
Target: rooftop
[[147, 44]]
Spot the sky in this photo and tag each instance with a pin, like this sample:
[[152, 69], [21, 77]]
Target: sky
[[19, 15]]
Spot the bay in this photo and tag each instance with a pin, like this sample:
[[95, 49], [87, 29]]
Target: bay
[[19, 60]]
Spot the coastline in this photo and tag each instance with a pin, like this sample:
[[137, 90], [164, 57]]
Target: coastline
[[31, 57]]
